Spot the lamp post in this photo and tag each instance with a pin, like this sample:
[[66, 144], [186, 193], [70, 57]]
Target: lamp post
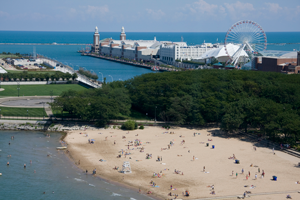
[[102, 76], [18, 87], [155, 114], [51, 94], [146, 117], [27, 114], [111, 78]]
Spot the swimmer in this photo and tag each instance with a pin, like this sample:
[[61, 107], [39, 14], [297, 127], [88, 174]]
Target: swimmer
[[7, 163], [24, 166]]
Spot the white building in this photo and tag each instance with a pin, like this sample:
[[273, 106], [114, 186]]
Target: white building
[[170, 52], [139, 50]]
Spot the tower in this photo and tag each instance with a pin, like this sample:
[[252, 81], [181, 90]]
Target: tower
[[123, 35], [96, 41]]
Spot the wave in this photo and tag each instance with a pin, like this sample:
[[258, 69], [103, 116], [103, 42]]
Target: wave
[[116, 194], [79, 180], [132, 198], [92, 185]]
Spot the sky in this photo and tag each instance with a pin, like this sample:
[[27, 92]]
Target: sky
[[147, 16]]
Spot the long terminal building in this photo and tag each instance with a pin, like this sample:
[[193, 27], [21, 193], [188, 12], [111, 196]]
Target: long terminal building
[[145, 50]]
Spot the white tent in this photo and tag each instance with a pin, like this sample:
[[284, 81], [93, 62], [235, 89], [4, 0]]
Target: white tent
[[220, 53]]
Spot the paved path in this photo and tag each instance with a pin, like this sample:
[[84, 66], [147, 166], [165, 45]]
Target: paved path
[[26, 101]]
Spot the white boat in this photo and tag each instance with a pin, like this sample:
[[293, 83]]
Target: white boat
[[61, 148]]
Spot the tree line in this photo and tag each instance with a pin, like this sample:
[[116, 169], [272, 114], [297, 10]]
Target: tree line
[[38, 76], [88, 74], [235, 99]]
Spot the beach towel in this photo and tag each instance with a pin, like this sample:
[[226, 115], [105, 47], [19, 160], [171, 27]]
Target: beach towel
[[206, 172]]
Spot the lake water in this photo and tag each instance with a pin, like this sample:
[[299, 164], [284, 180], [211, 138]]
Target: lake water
[[55, 175], [68, 54]]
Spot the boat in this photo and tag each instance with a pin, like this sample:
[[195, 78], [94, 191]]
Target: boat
[[154, 68], [61, 148]]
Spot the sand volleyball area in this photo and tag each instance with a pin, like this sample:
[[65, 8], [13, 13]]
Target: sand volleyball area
[[201, 162]]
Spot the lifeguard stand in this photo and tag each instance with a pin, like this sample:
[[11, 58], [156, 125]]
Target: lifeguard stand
[[126, 167]]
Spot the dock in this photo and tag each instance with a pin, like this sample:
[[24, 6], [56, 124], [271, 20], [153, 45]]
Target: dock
[[162, 69]]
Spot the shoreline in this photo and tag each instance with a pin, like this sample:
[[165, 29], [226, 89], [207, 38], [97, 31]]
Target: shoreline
[[103, 178], [194, 179]]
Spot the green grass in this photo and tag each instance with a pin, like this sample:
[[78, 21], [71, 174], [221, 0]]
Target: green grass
[[9, 56], [38, 90], [22, 112]]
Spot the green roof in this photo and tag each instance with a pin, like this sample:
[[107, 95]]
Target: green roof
[[218, 64], [230, 66]]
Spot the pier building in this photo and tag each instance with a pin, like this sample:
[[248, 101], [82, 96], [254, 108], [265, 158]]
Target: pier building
[[95, 46], [147, 50]]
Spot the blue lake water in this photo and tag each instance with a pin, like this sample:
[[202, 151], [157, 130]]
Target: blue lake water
[[55, 175], [68, 54]]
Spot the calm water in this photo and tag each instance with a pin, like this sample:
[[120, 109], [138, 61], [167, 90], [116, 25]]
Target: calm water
[[68, 55], [53, 174]]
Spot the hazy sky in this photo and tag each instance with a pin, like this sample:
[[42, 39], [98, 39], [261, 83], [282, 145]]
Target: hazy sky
[[147, 15]]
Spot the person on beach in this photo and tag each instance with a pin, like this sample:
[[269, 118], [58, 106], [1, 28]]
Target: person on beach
[[255, 176], [246, 177], [258, 170], [115, 142], [203, 168], [249, 173], [242, 170], [86, 171], [78, 162], [8, 143], [7, 163], [171, 185], [236, 175], [193, 158], [30, 162]]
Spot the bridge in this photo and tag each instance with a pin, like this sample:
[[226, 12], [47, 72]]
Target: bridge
[[67, 69]]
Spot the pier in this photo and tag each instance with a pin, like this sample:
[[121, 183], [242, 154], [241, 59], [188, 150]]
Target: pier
[[163, 69], [54, 43]]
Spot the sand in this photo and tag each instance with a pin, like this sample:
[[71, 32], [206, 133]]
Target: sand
[[190, 158]]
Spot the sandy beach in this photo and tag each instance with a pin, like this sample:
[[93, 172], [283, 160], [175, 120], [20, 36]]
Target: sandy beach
[[186, 152]]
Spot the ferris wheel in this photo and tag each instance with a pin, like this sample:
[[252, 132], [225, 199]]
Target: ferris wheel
[[250, 38]]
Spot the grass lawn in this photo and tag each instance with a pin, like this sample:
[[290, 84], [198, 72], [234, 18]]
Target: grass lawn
[[22, 112], [38, 90], [9, 55]]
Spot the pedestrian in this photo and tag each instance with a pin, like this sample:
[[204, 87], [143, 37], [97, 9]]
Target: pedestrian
[[258, 170], [255, 176], [204, 168], [249, 173], [242, 170], [24, 166], [246, 177], [171, 187], [193, 158], [236, 175]]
